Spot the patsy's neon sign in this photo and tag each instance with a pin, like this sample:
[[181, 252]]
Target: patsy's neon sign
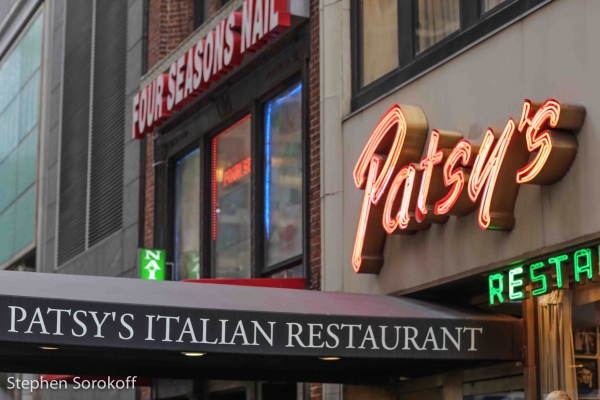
[[406, 192]]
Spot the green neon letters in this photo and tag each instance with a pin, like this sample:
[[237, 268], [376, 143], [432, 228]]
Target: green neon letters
[[584, 266], [543, 276], [560, 272], [515, 286], [496, 290]]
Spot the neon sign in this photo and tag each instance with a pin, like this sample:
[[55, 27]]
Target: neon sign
[[213, 57], [406, 193], [544, 276], [237, 171]]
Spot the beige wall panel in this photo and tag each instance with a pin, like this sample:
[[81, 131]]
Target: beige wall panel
[[484, 87]]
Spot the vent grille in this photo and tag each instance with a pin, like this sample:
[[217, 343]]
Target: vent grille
[[108, 120], [75, 129]]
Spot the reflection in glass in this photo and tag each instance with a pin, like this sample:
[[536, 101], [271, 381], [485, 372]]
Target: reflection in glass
[[489, 4], [187, 217], [283, 176], [437, 20], [294, 272], [380, 38], [232, 165], [19, 100]]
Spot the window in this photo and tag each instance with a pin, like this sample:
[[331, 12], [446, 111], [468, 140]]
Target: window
[[395, 40], [231, 202], [283, 177], [380, 38], [199, 12], [187, 217], [250, 191], [437, 20], [19, 101]]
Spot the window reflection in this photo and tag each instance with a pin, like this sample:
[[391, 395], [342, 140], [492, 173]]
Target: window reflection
[[231, 202], [380, 38], [437, 20], [187, 217], [283, 176]]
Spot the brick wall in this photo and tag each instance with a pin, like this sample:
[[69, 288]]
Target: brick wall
[[315, 148], [169, 23], [316, 389]]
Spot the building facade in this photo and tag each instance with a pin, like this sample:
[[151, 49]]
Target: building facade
[[232, 162], [478, 207]]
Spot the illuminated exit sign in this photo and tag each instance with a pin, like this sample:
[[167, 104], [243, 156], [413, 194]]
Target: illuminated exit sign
[[553, 272]]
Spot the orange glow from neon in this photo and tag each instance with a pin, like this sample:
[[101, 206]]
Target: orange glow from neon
[[486, 169], [538, 141], [364, 213], [405, 176], [393, 122], [433, 158], [454, 177]]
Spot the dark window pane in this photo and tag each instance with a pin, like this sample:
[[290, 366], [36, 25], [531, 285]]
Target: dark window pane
[[231, 202], [283, 176], [437, 19], [187, 217], [199, 13], [489, 4], [379, 38]]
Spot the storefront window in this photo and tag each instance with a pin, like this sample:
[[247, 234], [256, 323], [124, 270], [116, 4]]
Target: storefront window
[[187, 217], [437, 20], [19, 101], [231, 238], [379, 37], [283, 176]]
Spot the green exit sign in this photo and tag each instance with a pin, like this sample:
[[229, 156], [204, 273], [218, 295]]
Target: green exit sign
[[152, 264]]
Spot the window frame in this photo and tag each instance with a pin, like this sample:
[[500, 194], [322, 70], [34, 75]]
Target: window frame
[[475, 26], [256, 111]]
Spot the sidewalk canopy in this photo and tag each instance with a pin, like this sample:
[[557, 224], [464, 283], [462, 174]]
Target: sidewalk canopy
[[121, 327]]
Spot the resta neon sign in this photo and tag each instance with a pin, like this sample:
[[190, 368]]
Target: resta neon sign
[[544, 276], [205, 63], [405, 192]]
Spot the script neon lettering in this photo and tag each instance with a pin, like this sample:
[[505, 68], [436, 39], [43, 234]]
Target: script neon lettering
[[454, 177], [434, 157], [492, 166]]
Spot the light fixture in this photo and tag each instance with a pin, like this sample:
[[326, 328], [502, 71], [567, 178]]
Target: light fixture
[[48, 348], [192, 354], [329, 358]]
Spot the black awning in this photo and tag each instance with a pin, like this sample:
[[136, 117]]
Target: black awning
[[117, 326]]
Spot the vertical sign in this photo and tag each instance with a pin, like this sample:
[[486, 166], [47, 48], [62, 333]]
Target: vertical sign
[[152, 264]]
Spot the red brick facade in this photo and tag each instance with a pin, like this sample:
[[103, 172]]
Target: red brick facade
[[169, 23], [315, 148]]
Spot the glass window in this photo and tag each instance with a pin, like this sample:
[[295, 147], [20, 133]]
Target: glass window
[[187, 217], [379, 38], [294, 272], [19, 101], [489, 4], [283, 176], [437, 20], [231, 237]]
